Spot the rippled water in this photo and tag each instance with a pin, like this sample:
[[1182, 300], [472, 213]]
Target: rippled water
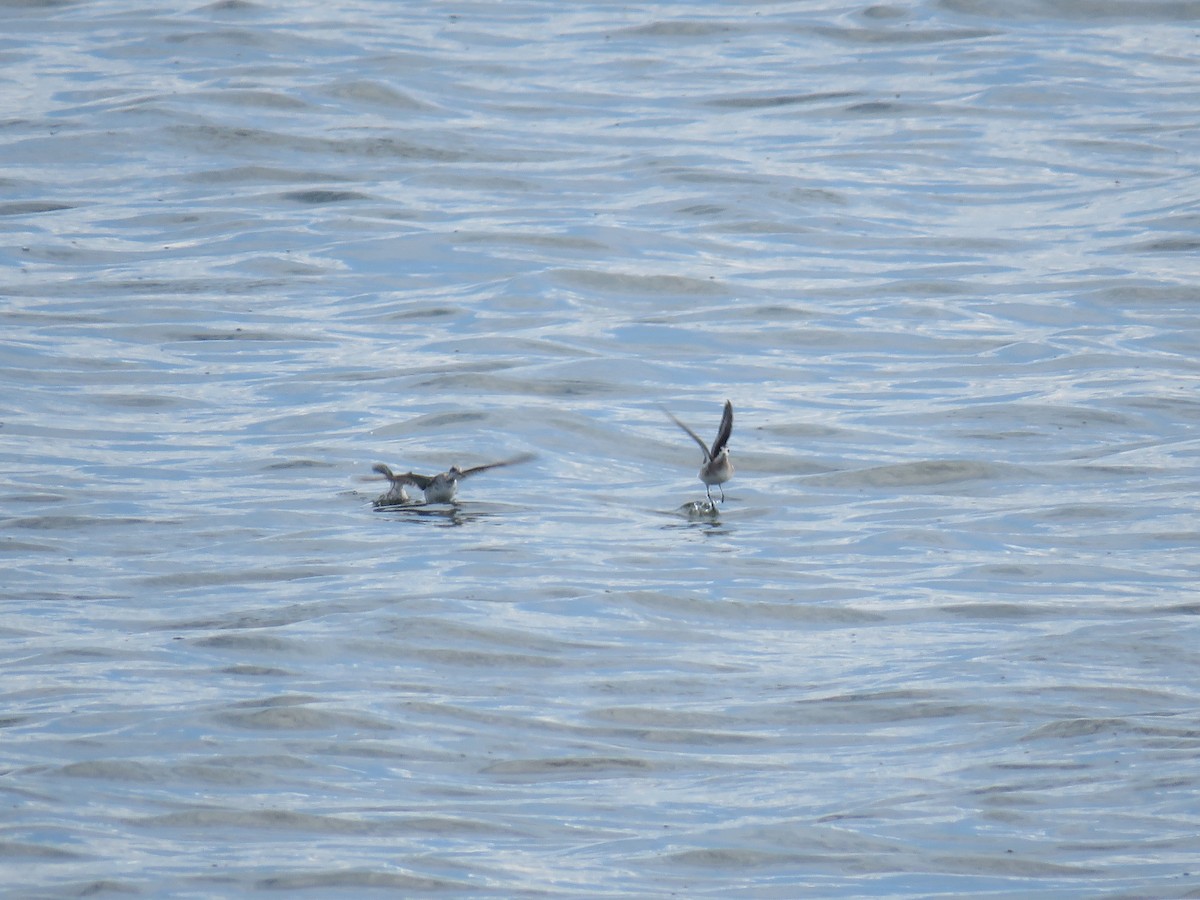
[[939, 640]]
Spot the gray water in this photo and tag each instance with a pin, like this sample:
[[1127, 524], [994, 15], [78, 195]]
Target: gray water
[[939, 640]]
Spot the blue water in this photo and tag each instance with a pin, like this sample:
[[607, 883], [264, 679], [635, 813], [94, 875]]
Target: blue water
[[939, 640]]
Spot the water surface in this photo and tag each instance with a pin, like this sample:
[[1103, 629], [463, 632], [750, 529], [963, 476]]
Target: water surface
[[938, 641]]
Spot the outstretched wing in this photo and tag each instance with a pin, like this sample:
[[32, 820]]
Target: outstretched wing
[[724, 431], [524, 457], [695, 437], [421, 481]]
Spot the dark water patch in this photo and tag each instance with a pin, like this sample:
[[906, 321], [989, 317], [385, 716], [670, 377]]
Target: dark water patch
[[32, 207], [352, 879], [1089, 11], [302, 719], [302, 464], [776, 100], [63, 523], [239, 7], [221, 774], [248, 670], [568, 768], [261, 174], [907, 36], [883, 706], [237, 140], [374, 93], [1013, 866], [212, 578], [255, 643], [247, 618], [16, 851], [1008, 611], [923, 474], [275, 820], [421, 313], [677, 28], [316, 197], [457, 658], [1163, 245], [639, 284], [1090, 727], [137, 401], [252, 99]]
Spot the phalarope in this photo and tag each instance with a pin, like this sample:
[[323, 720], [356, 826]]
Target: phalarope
[[396, 494], [442, 487], [717, 468]]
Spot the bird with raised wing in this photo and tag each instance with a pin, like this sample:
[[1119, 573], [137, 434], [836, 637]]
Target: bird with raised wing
[[717, 468], [395, 495]]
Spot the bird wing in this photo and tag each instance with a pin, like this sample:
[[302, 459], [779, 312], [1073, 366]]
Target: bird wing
[[421, 481], [695, 437], [524, 457], [724, 431]]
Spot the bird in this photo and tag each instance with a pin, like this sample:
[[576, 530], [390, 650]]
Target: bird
[[717, 468], [442, 487], [396, 494]]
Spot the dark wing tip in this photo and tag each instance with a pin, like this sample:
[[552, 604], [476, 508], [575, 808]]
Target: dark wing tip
[[726, 429], [524, 457]]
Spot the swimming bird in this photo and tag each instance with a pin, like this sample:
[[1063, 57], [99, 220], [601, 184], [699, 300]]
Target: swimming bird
[[396, 494], [717, 468], [442, 487]]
